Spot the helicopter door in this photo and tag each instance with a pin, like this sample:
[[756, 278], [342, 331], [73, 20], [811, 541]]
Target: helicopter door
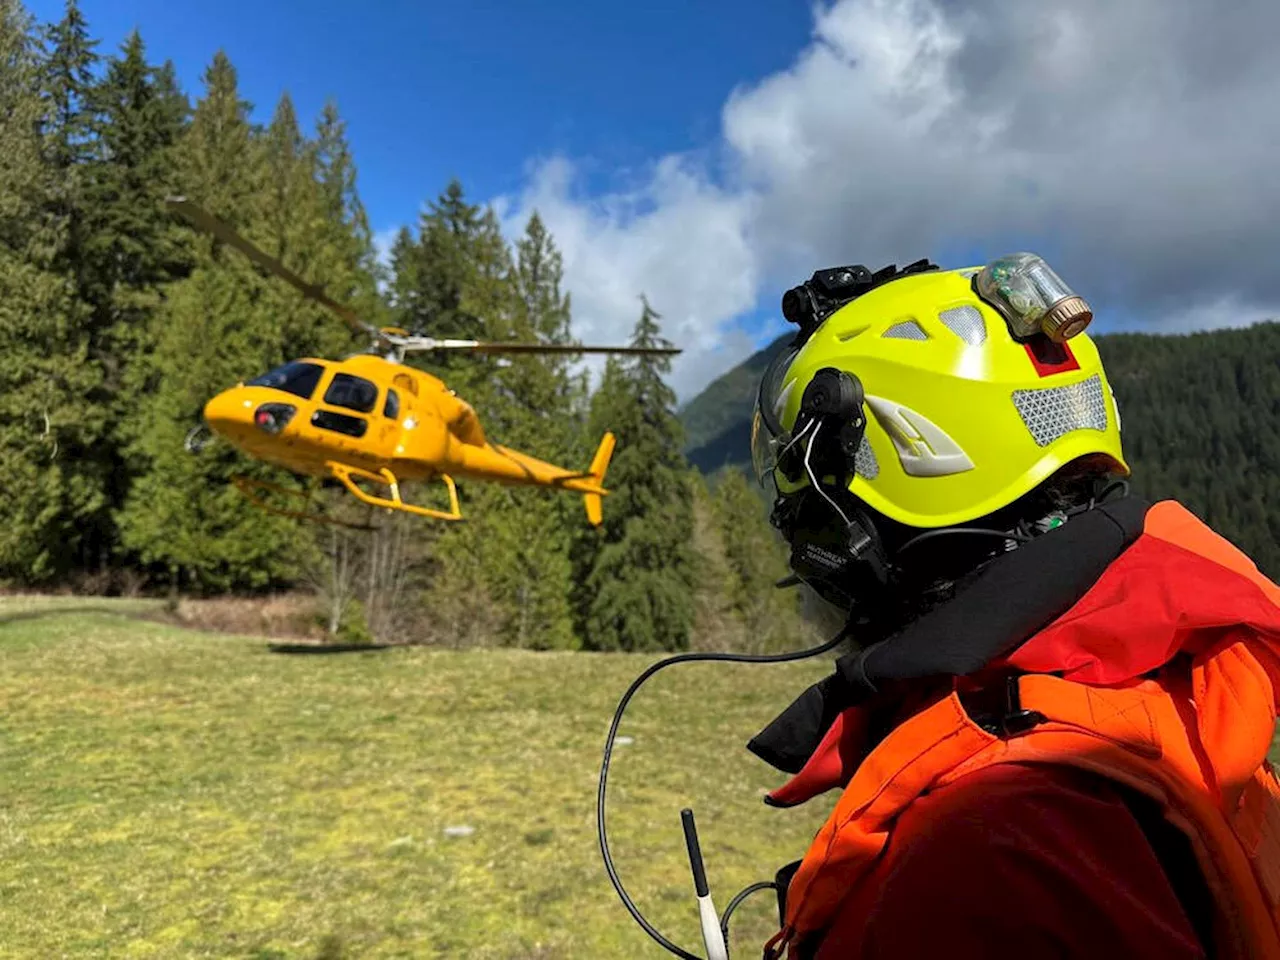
[[389, 423], [354, 394]]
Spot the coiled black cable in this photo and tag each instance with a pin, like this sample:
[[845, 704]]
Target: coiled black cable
[[737, 901], [601, 832]]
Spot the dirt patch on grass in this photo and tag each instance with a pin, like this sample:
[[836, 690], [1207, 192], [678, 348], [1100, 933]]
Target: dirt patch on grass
[[289, 616], [283, 616]]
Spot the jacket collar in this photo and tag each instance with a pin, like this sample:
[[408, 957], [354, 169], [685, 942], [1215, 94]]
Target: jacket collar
[[1008, 602]]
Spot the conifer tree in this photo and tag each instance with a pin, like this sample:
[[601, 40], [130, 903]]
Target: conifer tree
[[549, 394], [290, 221], [67, 77], [458, 278], [214, 330], [535, 405], [132, 248], [453, 283], [344, 224], [454, 280], [48, 420], [636, 572]]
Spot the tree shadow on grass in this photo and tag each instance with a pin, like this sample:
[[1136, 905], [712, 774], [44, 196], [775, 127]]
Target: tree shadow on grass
[[326, 647]]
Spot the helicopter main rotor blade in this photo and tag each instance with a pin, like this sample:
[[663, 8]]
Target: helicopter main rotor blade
[[480, 346], [204, 220]]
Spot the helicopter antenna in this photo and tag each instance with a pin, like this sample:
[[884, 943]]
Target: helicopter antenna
[[394, 343]]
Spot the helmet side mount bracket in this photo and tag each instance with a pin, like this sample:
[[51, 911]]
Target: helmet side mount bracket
[[834, 546]]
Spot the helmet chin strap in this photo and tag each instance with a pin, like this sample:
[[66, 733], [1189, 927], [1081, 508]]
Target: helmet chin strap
[[932, 589]]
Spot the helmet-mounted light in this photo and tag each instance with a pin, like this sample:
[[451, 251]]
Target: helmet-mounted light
[[1032, 298], [273, 417]]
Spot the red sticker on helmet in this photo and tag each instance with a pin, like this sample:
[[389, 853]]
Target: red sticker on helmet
[[1049, 358]]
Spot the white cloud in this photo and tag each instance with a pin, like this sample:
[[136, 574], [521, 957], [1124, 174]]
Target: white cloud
[[383, 241], [680, 240], [1134, 144]]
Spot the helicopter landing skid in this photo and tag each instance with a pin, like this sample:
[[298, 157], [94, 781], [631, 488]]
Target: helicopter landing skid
[[346, 476], [250, 488]]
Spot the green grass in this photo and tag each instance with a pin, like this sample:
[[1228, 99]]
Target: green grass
[[166, 793]]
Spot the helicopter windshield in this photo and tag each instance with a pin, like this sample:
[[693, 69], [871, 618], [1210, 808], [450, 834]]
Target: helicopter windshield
[[298, 378]]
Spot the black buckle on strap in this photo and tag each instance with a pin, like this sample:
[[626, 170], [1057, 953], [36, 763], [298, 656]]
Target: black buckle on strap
[[1009, 718]]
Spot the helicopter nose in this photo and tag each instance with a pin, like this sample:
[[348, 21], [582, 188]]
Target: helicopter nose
[[229, 414]]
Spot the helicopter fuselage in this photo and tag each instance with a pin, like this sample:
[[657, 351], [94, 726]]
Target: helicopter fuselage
[[371, 419], [370, 414]]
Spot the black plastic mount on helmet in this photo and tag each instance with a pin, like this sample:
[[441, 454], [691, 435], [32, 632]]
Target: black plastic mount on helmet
[[832, 402], [808, 304]]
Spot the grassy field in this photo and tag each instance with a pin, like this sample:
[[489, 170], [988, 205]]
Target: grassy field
[[168, 793]]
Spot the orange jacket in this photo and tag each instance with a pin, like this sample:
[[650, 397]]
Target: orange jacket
[[1167, 668]]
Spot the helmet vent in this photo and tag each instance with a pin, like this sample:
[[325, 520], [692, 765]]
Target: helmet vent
[[905, 330], [852, 332], [865, 463], [1053, 412], [966, 323]]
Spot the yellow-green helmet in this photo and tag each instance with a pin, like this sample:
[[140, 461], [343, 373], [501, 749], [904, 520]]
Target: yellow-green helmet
[[963, 418]]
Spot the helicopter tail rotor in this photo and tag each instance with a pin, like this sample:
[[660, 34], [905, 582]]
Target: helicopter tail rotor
[[599, 464]]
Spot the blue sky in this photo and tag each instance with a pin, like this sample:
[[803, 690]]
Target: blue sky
[[475, 90]]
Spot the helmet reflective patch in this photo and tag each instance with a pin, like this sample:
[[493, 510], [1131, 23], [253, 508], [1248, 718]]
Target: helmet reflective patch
[[865, 463], [1056, 411], [923, 447], [966, 323], [906, 330]]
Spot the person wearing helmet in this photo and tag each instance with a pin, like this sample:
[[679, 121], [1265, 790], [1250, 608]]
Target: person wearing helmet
[[1050, 733]]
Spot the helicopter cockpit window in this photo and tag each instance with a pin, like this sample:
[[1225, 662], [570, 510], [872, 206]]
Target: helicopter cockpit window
[[354, 393], [298, 378], [391, 409]]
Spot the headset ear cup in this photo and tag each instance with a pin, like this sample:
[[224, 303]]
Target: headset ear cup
[[832, 407], [833, 394]]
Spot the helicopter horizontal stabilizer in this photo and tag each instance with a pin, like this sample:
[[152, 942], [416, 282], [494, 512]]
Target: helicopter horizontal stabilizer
[[599, 464]]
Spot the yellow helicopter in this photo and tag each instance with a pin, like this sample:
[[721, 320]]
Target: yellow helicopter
[[371, 420]]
